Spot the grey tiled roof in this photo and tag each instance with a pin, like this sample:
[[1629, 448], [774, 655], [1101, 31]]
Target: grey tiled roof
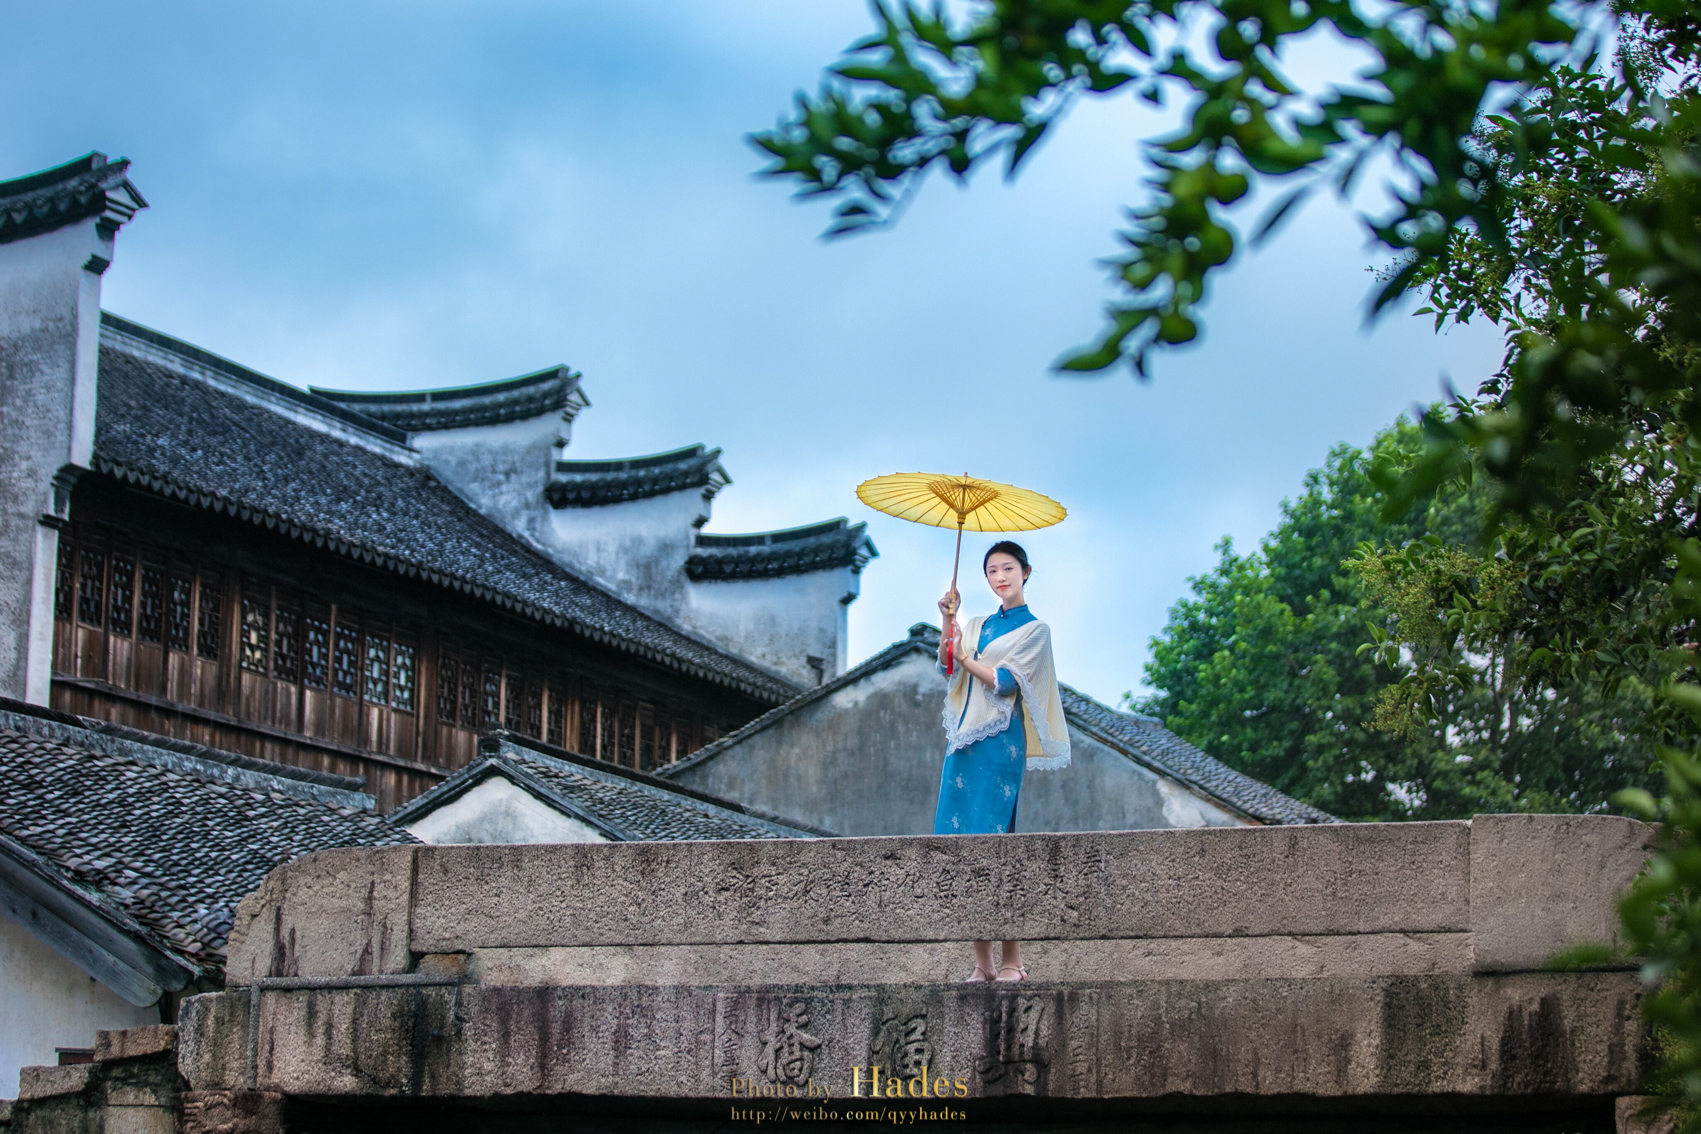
[[584, 484], [185, 438], [116, 326], [91, 186], [164, 844], [1147, 738], [763, 555], [625, 805], [1143, 739], [491, 403]]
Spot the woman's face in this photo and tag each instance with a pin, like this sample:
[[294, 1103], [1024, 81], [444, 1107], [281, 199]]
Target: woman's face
[[1004, 576]]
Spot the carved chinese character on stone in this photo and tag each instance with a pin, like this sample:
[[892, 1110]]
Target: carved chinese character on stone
[[901, 1045], [1014, 1049], [788, 1052]]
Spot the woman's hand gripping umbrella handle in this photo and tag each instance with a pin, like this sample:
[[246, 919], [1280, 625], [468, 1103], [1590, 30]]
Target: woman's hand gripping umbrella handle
[[948, 618], [948, 607]]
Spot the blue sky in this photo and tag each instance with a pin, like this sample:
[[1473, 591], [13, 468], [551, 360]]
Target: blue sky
[[389, 196]]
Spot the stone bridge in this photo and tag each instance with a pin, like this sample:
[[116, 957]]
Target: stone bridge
[[1385, 976]]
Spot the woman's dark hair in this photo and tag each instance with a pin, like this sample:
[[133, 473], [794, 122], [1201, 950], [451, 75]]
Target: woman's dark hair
[[1010, 548]]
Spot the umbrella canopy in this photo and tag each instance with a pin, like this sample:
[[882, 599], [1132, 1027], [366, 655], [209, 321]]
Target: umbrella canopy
[[964, 502]]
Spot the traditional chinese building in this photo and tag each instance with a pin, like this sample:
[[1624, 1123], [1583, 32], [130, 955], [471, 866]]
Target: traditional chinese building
[[361, 583], [862, 755], [123, 855]]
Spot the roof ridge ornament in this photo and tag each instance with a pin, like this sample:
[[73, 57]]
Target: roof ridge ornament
[[789, 551], [90, 186], [552, 389], [587, 484]]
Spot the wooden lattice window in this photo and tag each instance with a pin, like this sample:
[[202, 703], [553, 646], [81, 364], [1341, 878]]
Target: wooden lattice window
[[181, 612], [587, 720], [557, 717], [629, 734], [664, 739], [121, 593], [514, 707], [210, 627], [606, 712], [534, 709], [256, 629], [286, 643], [65, 582], [316, 652], [91, 578], [448, 684], [345, 659], [646, 737], [469, 695], [150, 604], [492, 700], [402, 678], [377, 672]]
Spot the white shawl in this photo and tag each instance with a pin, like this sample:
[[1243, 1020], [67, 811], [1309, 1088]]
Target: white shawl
[[1026, 653]]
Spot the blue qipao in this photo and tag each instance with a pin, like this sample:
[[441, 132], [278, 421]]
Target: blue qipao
[[982, 782]]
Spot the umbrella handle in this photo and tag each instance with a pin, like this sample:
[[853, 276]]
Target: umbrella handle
[[951, 619]]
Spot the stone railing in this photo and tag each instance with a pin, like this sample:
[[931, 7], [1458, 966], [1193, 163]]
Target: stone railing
[[1363, 966]]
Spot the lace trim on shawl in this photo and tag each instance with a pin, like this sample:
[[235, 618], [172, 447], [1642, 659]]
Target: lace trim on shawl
[[955, 740], [1053, 759], [1006, 707]]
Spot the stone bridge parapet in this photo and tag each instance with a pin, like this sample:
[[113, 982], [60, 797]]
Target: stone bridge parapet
[[1343, 970]]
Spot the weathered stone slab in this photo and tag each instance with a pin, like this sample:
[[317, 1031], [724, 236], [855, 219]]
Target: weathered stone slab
[[1524, 1035], [49, 1081], [1540, 883], [336, 912], [133, 1043], [1159, 958], [1389, 878]]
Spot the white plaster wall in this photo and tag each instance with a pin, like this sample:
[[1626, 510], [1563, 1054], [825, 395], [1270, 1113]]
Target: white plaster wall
[[501, 469], [866, 760], [779, 623], [46, 1002], [1184, 809], [49, 350], [499, 811], [638, 548]]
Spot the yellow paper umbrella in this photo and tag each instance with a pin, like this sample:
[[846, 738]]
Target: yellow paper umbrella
[[961, 502]]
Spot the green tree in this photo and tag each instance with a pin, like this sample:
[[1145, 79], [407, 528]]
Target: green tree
[[926, 91], [1569, 606], [1383, 669], [1545, 187], [1260, 665]]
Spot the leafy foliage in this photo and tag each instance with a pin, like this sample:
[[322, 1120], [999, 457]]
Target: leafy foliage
[[1381, 670], [1538, 184], [1523, 176], [1661, 916], [1595, 274], [922, 91]]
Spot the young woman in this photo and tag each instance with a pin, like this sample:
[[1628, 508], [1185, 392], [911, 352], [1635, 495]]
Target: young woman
[[1003, 715]]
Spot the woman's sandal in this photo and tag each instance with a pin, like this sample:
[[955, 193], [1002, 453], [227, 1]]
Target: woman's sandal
[[978, 976], [1021, 972]]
